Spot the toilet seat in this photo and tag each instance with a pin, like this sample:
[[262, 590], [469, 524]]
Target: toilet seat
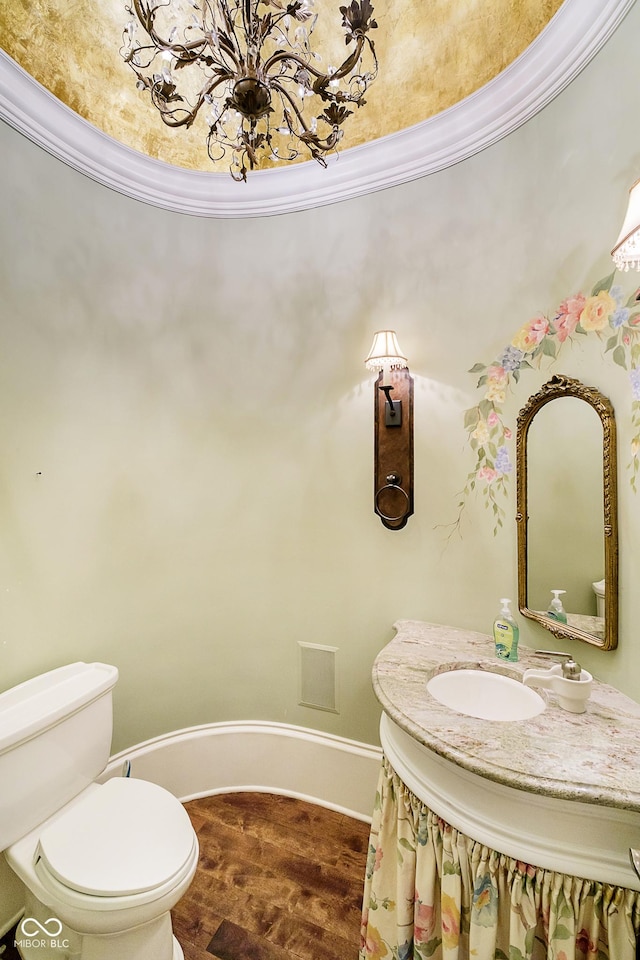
[[126, 839]]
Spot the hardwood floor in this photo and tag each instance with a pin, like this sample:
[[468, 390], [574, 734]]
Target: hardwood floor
[[278, 879]]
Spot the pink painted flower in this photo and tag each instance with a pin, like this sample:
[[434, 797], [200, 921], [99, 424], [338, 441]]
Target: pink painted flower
[[507, 433], [488, 474], [568, 316], [529, 336], [493, 419], [497, 379], [378, 859]]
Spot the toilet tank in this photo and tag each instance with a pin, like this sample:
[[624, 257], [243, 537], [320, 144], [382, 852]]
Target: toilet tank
[[55, 739]]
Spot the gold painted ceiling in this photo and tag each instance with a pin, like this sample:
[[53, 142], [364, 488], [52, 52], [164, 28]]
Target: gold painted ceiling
[[432, 54]]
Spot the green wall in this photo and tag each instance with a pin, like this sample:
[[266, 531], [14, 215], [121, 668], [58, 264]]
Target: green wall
[[186, 421]]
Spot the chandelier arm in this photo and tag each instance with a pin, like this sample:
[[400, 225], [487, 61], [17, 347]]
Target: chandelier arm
[[223, 10], [348, 65], [134, 62], [181, 52], [313, 142], [283, 55], [351, 61], [176, 117], [191, 51], [324, 78], [292, 103], [247, 19], [170, 116]]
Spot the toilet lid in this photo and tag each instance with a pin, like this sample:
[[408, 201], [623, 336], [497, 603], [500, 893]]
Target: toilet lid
[[125, 837]]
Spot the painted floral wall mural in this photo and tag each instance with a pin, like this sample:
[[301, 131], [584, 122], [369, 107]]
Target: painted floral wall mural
[[607, 313]]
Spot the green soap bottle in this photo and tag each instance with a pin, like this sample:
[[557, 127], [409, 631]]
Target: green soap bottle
[[506, 633]]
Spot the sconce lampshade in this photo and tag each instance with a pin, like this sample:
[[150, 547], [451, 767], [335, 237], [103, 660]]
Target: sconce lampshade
[[385, 352], [626, 252]]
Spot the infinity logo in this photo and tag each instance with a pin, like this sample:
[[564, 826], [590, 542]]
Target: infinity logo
[[51, 927]]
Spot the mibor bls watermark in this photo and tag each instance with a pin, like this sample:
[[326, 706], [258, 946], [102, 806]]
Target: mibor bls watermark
[[32, 933]]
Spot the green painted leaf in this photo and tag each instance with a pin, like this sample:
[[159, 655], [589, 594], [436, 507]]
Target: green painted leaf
[[604, 284], [612, 342], [548, 347], [471, 417], [477, 368], [619, 357]]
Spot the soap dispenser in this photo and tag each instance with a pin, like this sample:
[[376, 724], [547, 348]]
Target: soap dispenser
[[505, 633], [556, 611]]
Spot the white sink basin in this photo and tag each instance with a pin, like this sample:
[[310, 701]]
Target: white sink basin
[[488, 696]]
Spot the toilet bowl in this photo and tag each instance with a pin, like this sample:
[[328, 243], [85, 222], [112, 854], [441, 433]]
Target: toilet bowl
[[599, 591], [118, 857], [104, 868]]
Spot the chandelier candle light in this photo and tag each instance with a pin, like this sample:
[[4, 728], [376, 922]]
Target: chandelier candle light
[[249, 67]]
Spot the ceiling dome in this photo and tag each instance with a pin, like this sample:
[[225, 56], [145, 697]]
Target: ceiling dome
[[454, 77]]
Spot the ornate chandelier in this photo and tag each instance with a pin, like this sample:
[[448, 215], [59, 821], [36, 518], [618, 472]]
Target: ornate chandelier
[[251, 74]]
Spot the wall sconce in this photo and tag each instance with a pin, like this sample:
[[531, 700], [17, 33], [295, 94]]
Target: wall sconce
[[393, 419], [626, 252]]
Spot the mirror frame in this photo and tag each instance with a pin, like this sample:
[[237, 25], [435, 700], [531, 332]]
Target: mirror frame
[[561, 386]]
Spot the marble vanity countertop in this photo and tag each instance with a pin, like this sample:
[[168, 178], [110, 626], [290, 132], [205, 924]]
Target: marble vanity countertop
[[593, 757]]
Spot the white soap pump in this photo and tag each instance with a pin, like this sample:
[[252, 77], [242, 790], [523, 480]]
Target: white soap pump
[[556, 611]]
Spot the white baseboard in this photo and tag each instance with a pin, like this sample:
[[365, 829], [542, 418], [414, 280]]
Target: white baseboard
[[256, 756]]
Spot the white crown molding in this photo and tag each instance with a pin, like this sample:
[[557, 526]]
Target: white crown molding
[[575, 34]]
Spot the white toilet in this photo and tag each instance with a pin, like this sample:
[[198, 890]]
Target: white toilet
[[598, 589], [102, 864]]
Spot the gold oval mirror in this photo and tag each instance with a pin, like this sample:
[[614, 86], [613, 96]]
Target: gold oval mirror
[[567, 512]]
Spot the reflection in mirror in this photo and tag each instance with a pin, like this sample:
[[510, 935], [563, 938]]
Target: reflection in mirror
[[565, 541], [567, 535]]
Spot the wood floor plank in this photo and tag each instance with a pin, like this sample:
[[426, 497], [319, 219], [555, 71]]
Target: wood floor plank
[[263, 872], [233, 943], [327, 838], [275, 874]]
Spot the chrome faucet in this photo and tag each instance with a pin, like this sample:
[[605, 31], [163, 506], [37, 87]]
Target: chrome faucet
[[571, 670]]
